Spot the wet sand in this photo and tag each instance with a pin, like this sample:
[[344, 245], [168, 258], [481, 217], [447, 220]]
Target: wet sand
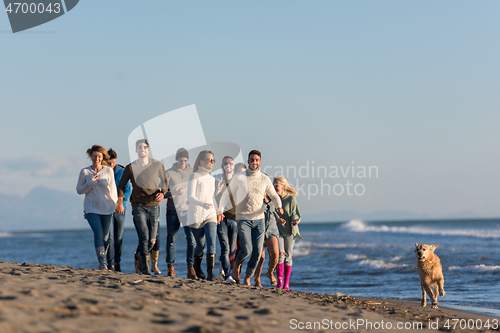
[[47, 298]]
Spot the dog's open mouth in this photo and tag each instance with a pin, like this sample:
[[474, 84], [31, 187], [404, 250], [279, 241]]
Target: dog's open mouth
[[421, 257]]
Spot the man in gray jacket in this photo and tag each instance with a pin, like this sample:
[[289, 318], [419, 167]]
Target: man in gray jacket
[[177, 206]]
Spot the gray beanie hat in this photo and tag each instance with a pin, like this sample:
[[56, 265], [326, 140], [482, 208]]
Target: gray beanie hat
[[181, 153]]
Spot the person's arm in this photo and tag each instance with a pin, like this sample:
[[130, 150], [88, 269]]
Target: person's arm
[[225, 198], [85, 183], [271, 192], [119, 176], [294, 211], [191, 190], [121, 190], [112, 185]]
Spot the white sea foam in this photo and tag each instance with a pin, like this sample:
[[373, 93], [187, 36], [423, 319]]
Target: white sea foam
[[354, 257], [340, 246], [5, 234], [374, 263], [380, 264], [301, 249], [480, 268], [359, 226]]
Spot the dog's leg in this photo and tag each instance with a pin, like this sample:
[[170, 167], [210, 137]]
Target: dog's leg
[[432, 296], [424, 295], [441, 288]]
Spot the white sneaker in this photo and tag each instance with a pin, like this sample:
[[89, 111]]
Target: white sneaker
[[230, 279]]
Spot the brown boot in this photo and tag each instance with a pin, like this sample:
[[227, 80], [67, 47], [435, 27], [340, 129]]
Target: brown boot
[[258, 271], [171, 271], [154, 262], [270, 271], [191, 273]]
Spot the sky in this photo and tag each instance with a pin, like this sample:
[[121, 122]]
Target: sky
[[408, 90]]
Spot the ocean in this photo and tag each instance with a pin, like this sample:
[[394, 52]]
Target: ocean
[[368, 259]]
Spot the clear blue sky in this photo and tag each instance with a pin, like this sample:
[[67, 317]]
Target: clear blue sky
[[409, 87]]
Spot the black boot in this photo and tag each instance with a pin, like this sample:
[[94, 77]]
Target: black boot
[[197, 267], [210, 267], [144, 263], [118, 268]]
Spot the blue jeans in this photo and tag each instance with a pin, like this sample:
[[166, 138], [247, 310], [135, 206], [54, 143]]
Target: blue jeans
[[146, 225], [208, 231], [173, 226], [116, 239], [100, 226], [251, 234], [227, 231]]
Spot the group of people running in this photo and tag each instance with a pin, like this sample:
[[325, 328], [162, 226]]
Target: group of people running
[[241, 207]]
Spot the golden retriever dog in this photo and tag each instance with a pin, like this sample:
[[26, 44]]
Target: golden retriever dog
[[431, 273]]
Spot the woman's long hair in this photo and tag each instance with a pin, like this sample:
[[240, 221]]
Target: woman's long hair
[[201, 156], [99, 149], [289, 189]]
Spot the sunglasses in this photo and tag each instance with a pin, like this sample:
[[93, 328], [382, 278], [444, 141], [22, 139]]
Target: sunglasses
[[210, 160]]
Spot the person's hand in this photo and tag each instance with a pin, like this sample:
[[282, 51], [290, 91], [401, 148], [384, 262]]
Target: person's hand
[[119, 208], [180, 191], [294, 223], [281, 221], [280, 211], [220, 217], [159, 196], [96, 176], [207, 205], [220, 186]]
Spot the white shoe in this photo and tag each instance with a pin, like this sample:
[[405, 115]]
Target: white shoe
[[230, 279]]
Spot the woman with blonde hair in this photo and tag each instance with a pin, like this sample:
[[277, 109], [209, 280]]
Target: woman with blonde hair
[[97, 182], [288, 228], [202, 216]]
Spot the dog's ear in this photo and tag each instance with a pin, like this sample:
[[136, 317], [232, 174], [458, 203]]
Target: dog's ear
[[435, 246], [416, 244]]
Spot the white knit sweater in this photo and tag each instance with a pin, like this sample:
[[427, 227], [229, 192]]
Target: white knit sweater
[[249, 188], [101, 195], [200, 190]]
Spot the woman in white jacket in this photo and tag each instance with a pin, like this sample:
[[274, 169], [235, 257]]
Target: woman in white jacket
[[97, 182], [201, 216]]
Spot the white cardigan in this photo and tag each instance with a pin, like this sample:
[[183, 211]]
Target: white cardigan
[[200, 190], [100, 196]]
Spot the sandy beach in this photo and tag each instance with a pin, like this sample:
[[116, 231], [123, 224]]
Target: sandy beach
[[47, 298]]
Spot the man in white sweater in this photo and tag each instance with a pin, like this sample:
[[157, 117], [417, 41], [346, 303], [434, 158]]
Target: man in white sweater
[[249, 188]]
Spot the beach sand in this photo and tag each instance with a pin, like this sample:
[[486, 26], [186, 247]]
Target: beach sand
[[47, 298]]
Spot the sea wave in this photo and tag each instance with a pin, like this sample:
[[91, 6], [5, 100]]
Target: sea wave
[[11, 235], [381, 264], [375, 263], [480, 268], [360, 226], [340, 245], [354, 257]]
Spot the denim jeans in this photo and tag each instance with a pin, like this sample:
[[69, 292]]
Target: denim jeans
[[251, 234], [227, 231], [208, 231], [156, 247], [146, 225], [116, 239], [100, 226], [173, 225]]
